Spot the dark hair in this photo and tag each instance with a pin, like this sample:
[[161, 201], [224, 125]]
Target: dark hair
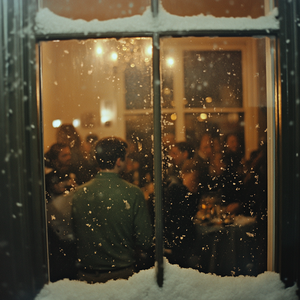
[[67, 134], [52, 155], [186, 146], [108, 150], [190, 166], [91, 138], [228, 135]]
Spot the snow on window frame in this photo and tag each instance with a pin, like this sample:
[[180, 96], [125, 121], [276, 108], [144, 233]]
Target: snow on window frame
[[49, 23]]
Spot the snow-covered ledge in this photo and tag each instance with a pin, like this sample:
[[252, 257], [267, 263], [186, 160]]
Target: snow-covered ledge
[[49, 23], [179, 283]]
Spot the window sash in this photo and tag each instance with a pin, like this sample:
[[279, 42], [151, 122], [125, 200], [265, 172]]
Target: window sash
[[157, 110]]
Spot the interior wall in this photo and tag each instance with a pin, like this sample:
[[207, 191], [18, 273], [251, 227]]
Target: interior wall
[[107, 9], [93, 9], [217, 8], [69, 94]]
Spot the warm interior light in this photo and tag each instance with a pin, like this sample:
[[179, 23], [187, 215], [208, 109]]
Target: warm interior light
[[170, 61], [106, 115], [167, 91], [76, 122], [106, 112], [56, 123], [149, 50], [99, 50], [114, 56], [202, 117], [208, 99], [174, 117]]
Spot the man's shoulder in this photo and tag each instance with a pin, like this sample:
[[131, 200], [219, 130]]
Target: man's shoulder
[[130, 187], [84, 188], [102, 182]]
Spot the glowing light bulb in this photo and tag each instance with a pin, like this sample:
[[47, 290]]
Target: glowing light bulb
[[149, 50], [99, 50], [56, 123], [208, 99], [76, 122], [203, 116], [170, 61], [174, 117], [114, 56]]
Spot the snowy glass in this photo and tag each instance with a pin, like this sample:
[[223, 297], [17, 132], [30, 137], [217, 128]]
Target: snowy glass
[[100, 86], [217, 87], [94, 9], [93, 89]]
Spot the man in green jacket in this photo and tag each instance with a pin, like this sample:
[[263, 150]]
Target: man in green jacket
[[110, 218]]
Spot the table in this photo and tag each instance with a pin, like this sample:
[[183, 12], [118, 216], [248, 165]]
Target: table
[[231, 250]]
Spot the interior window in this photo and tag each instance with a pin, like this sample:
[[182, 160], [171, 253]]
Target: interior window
[[213, 95]]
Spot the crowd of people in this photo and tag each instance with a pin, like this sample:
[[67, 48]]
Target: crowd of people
[[100, 200], [81, 176], [210, 170]]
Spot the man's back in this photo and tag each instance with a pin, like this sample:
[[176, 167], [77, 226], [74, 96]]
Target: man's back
[[110, 219]]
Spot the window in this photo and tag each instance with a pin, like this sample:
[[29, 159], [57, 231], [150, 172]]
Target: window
[[21, 121], [208, 85]]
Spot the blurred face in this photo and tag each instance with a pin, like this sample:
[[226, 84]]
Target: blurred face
[[64, 157], [178, 157], [205, 146], [190, 180], [232, 143]]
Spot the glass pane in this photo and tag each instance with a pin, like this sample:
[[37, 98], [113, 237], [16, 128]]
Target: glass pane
[[216, 8], [213, 78], [218, 124], [215, 162], [94, 9], [93, 89]]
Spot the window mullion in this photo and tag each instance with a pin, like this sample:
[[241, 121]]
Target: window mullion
[[157, 161]]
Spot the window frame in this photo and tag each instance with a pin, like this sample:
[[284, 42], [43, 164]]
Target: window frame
[[25, 271]]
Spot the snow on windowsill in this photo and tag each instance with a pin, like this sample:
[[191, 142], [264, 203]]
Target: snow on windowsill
[[49, 23], [178, 283]]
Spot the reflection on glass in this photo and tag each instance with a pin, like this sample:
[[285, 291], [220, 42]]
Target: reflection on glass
[[214, 138]]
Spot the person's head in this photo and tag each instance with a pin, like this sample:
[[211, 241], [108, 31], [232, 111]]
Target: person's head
[[232, 143], [91, 138], [59, 156], [109, 150], [168, 141], [205, 145], [190, 175], [181, 152], [90, 141], [216, 145], [67, 134]]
